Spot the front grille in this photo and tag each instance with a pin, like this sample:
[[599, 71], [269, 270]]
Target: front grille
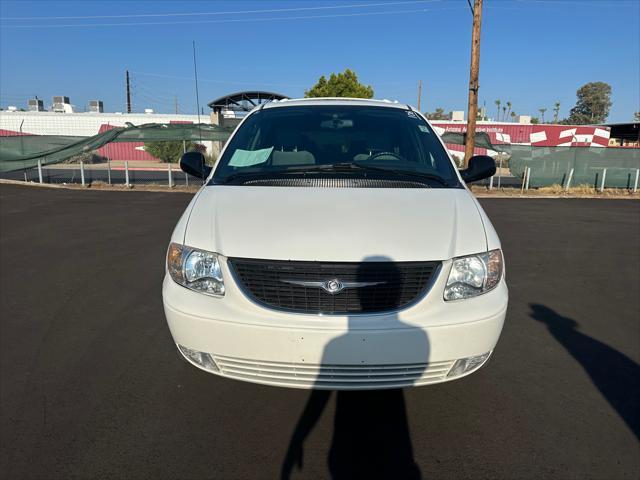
[[394, 285], [342, 377]]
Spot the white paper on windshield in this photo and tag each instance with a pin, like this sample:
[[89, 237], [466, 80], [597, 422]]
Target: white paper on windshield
[[246, 158]]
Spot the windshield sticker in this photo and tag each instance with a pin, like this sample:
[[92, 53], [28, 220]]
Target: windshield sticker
[[411, 114], [423, 128], [247, 158]]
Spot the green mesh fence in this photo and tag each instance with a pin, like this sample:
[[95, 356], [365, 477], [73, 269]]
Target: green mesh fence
[[553, 165], [549, 165], [24, 151]]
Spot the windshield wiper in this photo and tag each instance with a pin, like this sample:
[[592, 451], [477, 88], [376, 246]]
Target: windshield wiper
[[355, 166], [340, 168], [290, 170]]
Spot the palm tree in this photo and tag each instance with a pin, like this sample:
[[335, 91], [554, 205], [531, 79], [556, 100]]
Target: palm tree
[[504, 113], [542, 110], [498, 102], [508, 109], [556, 112], [513, 116]]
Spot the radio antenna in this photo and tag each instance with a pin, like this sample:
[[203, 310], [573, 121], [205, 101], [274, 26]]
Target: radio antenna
[[195, 73]]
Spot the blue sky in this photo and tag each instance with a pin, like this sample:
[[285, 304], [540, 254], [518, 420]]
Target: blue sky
[[534, 52]]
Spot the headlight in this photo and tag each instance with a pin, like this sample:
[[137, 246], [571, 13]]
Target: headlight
[[195, 269], [473, 275]]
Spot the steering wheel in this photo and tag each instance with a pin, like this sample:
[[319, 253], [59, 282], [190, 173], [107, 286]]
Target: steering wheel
[[385, 154]]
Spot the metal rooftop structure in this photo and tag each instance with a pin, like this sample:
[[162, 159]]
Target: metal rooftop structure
[[244, 101]]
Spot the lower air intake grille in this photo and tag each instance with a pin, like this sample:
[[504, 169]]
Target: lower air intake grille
[[334, 377], [367, 287]]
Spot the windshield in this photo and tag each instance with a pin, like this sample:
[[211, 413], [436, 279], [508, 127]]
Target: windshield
[[360, 140]]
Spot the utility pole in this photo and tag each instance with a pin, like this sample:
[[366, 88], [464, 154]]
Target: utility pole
[[419, 94], [128, 93], [472, 110]]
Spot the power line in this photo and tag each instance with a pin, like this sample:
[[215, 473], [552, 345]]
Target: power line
[[236, 20], [224, 82], [577, 2], [240, 12], [154, 100], [150, 88], [234, 82]]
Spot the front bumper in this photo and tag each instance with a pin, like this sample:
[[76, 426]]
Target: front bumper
[[416, 346]]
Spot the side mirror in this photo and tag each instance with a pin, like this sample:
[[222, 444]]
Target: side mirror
[[193, 164], [480, 166]]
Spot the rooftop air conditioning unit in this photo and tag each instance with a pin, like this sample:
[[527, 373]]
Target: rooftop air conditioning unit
[[96, 106], [60, 104], [457, 116], [36, 105]]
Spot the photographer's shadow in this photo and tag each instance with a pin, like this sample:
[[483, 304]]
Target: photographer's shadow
[[371, 437], [614, 374]]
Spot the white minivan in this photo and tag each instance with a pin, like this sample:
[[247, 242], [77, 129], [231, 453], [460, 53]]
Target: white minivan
[[335, 245]]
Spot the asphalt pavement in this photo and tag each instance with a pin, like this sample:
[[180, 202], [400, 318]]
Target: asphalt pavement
[[91, 385]]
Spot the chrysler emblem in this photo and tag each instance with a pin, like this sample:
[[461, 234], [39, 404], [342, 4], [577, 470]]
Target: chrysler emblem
[[332, 286]]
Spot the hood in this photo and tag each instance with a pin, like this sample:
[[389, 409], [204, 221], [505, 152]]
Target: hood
[[336, 224]]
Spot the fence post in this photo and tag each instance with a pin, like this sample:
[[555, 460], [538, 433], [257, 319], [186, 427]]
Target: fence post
[[82, 172], [635, 184], [491, 183], [186, 180], [604, 177], [109, 170], [566, 187], [40, 171], [25, 176], [126, 173], [524, 179], [170, 176], [526, 187], [500, 173]]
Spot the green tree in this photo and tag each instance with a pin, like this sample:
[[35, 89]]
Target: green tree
[[344, 84], [513, 116], [592, 105], [542, 110], [508, 110], [498, 102], [170, 152], [556, 111], [438, 115], [535, 120], [636, 117]]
